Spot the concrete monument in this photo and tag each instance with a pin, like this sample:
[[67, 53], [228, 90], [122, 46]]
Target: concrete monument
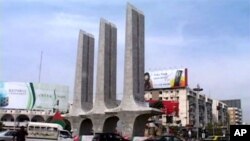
[[103, 115], [83, 90]]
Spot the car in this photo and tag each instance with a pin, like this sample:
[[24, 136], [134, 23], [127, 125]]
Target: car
[[108, 137], [7, 135], [166, 138], [216, 138]]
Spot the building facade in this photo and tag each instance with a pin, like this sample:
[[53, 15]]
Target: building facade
[[235, 116], [194, 108], [234, 111], [12, 118], [220, 114]]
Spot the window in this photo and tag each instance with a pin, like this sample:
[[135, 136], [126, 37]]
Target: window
[[52, 129], [31, 128], [9, 133], [169, 119], [177, 91], [43, 129], [55, 129], [65, 134], [37, 128], [171, 91]]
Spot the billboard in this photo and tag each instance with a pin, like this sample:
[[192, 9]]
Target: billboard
[[175, 78], [16, 95]]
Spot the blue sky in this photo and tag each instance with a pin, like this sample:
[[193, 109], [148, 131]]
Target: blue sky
[[209, 37]]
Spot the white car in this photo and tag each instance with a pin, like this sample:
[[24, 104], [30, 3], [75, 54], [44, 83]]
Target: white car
[[7, 135]]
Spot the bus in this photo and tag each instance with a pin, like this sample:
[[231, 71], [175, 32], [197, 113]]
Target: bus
[[39, 131]]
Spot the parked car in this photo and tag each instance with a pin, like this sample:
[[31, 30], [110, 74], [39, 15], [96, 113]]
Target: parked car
[[7, 135], [108, 137], [165, 138], [217, 138]]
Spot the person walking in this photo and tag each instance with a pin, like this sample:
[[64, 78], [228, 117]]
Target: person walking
[[21, 134]]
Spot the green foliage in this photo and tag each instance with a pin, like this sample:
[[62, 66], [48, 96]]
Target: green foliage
[[214, 129]]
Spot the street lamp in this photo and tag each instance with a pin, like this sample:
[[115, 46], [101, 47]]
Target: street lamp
[[198, 89]]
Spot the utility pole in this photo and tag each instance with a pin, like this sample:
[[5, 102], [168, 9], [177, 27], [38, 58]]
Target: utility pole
[[198, 89], [40, 67]]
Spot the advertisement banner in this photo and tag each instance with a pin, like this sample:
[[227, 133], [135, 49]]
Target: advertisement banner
[[15, 95], [175, 78]]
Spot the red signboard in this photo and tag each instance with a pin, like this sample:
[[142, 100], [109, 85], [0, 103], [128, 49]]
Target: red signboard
[[171, 107]]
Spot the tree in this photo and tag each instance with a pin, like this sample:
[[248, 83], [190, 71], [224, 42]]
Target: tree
[[214, 129]]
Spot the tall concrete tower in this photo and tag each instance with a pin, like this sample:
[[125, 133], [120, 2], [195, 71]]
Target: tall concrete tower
[[134, 57], [83, 90], [106, 68]]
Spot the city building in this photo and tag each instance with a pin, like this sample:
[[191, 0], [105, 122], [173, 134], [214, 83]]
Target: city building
[[234, 111], [12, 118], [235, 116], [183, 107], [34, 102], [233, 103], [220, 114]]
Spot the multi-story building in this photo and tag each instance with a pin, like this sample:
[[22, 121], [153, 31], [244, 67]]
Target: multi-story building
[[220, 115], [234, 111], [34, 102], [194, 109], [235, 116], [209, 110]]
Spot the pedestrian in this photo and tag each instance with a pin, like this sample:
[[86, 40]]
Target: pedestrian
[[21, 134]]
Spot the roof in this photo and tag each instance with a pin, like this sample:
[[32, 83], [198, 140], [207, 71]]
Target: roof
[[45, 124]]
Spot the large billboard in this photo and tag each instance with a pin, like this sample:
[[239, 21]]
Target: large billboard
[[15, 95], [175, 78]]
